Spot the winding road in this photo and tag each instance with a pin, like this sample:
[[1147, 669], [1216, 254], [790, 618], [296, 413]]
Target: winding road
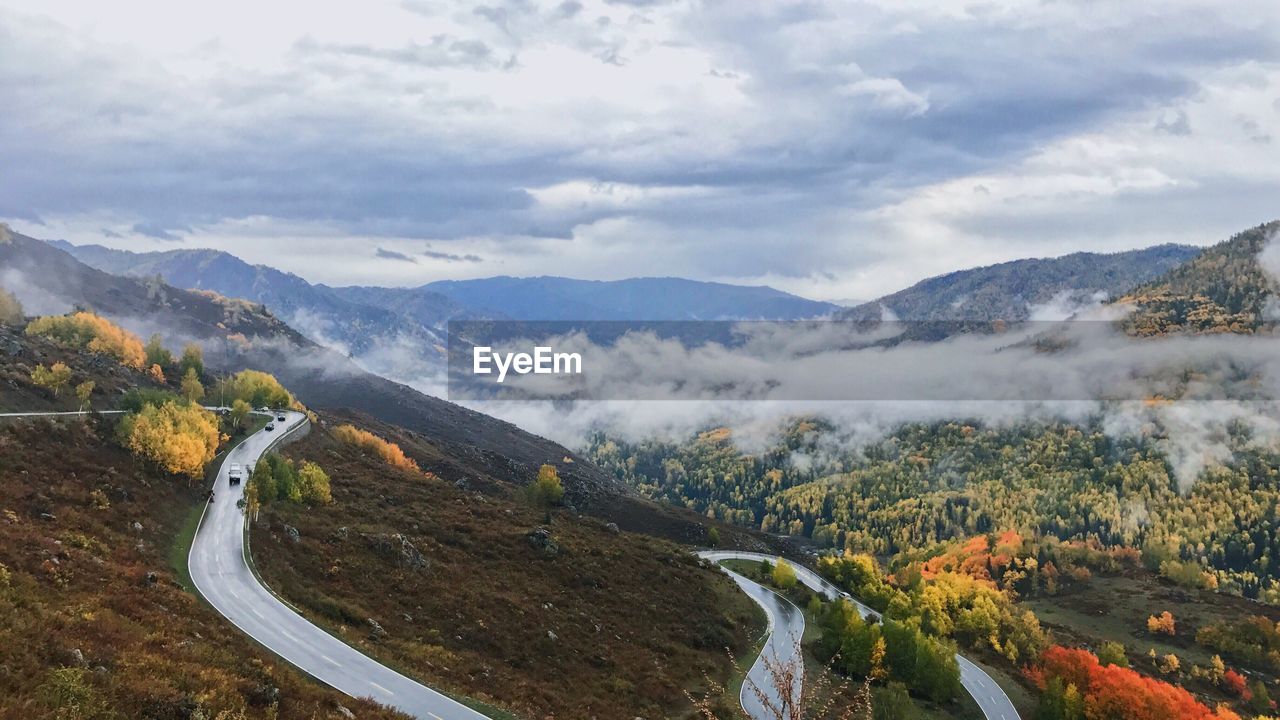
[[220, 570], [991, 699]]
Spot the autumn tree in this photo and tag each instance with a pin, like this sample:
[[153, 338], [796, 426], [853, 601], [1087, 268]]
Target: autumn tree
[[546, 490], [90, 332], [53, 378], [257, 388], [313, 484], [371, 444], [192, 388], [239, 414], [178, 437], [84, 391], [157, 374], [11, 312], [1113, 653], [1162, 623], [784, 576]]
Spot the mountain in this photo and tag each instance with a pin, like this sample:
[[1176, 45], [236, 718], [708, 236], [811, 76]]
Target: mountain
[[1013, 290], [396, 340], [401, 333], [558, 298], [1227, 288]]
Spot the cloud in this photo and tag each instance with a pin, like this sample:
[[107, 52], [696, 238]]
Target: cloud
[[450, 257], [829, 146], [386, 254]]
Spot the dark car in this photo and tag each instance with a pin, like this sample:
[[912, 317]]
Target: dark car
[[270, 427], [279, 418]]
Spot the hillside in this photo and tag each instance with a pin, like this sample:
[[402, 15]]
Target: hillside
[[396, 340], [93, 616], [1012, 290], [1225, 289], [584, 621]]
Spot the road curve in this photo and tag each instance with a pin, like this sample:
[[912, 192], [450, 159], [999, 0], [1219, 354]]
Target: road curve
[[221, 573], [991, 699], [786, 628]]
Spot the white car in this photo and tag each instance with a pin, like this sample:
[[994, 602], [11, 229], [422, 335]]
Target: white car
[[235, 474]]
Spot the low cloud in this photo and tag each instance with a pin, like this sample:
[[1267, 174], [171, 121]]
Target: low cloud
[[386, 254]]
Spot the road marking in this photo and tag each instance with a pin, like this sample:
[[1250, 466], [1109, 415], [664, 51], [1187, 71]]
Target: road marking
[[234, 594], [437, 717], [331, 660], [381, 688], [255, 612]]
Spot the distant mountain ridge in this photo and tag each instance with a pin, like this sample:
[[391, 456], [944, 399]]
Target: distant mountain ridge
[[1012, 290], [401, 332]]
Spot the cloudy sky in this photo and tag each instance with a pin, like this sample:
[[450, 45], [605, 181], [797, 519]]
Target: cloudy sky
[[835, 149]]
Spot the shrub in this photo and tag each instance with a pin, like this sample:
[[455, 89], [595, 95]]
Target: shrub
[[192, 359], [90, 332], [156, 353], [1162, 623], [367, 442], [192, 388], [178, 437]]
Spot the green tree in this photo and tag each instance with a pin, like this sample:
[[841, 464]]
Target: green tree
[[713, 537], [892, 703], [192, 388], [784, 576], [1113, 653], [192, 359], [53, 378], [264, 482], [157, 353]]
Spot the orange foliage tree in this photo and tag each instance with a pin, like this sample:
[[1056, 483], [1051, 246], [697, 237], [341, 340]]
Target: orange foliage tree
[[1116, 693], [389, 452], [93, 333], [1162, 623]]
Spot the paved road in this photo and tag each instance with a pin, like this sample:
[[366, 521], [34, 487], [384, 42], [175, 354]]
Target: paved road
[[786, 628], [993, 701], [221, 574]]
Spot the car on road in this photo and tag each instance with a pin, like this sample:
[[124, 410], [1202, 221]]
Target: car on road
[[279, 418], [235, 474], [270, 427]]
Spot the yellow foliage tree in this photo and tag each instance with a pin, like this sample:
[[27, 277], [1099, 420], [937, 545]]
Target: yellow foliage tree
[[93, 333], [84, 391], [313, 484], [180, 438], [257, 388], [157, 373], [784, 576], [389, 452], [53, 378], [1162, 623]]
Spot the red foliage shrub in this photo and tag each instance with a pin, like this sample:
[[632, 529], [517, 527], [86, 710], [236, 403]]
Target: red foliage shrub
[[1116, 693]]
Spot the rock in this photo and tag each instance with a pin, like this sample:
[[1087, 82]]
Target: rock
[[137, 526], [612, 527], [48, 516], [398, 549], [462, 483], [540, 539], [552, 636], [292, 532], [263, 695], [342, 712], [152, 578], [77, 658], [376, 632]]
